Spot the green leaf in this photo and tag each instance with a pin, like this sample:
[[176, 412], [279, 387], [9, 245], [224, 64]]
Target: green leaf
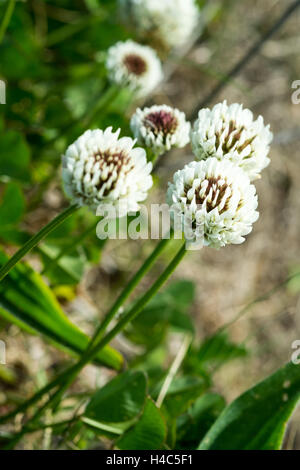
[[28, 302], [257, 419], [181, 292], [167, 309], [194, 424], [219, 349], [12, 205], [68, 270], [182, 393], [148, 433], [14, 156], [214, 352], [293, 284], [121, 399]]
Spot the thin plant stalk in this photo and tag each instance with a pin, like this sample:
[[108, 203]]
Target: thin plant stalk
[[6, 19], [247, 57], [53, 224], [112, 312], [174, 368], [124, 320], [100, 104], [133, 283], [35, 398], [105, 99], [69, 248], [96, 343]]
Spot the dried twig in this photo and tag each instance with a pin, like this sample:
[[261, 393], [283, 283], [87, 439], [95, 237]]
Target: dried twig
[[238, 67]]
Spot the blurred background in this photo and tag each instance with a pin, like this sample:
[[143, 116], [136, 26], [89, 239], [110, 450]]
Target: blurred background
[[52, 60]]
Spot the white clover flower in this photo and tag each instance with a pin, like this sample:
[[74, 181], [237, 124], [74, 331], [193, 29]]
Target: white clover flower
[[216, 198], [101, 168], [171, 22], [230, 132], [135, 66], [160, 128]]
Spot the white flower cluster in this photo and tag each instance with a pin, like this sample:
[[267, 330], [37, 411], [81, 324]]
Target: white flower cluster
[[134, 66], [217, 199], [230, 132], [101, 168], [215, 194], [171, 22], [160, 128]]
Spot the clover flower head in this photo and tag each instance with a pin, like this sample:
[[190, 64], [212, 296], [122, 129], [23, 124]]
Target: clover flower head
[[160, 128], [230, 132], [99, 167], [217, 199], [169, 22], [135, 66]]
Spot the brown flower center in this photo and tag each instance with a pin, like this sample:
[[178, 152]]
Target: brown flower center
[[232, 137], [113, 163], [214, 194], [135, 64], [161, 122]]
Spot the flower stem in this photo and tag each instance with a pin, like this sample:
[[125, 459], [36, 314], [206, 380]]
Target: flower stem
[[36, 239], [124, 320], [127, 291], [128, 317], [6, 19], [35, 398], [113, 311], [137, 308], [69, 248], [106, 98]]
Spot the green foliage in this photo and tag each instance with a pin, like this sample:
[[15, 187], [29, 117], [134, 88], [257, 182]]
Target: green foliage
[[214, 352], [148, 433], [169, 308], [12, 207], [182, 393], [258, 418], [68, 269], [122, 399], [197, 420], [14, 156], [29, 303]]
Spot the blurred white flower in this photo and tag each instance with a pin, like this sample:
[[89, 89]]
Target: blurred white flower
[[135, 66], [171, 22], [230, 132], [101, 168], [160, 128], [216, 198]]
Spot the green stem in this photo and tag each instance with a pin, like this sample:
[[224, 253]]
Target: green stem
[[128, 317], [36, 239], [86, 357], [104, 101], [154, 159], [6, 19], [69, 248], [114, 309], [127, 291], [141, 303], [35, 398]]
